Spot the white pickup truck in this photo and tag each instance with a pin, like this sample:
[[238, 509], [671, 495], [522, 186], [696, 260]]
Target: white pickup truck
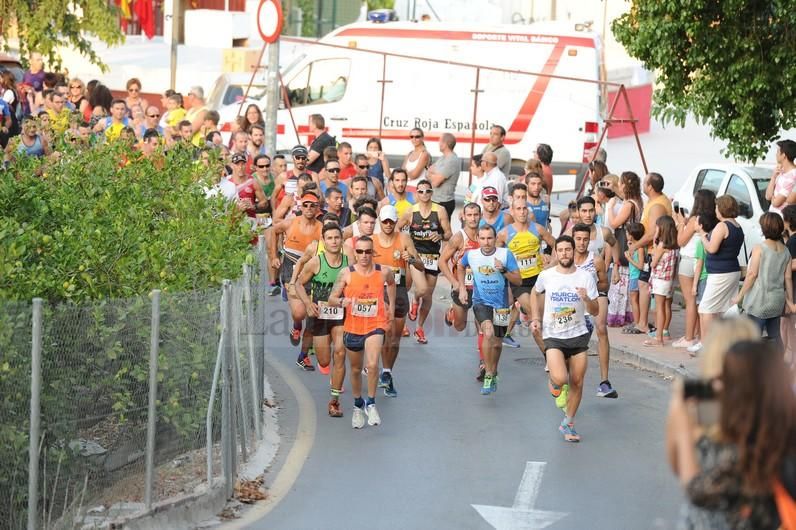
[[746, 183]]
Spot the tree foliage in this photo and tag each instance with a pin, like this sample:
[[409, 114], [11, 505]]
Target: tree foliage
[[45, 25], [730, 63]]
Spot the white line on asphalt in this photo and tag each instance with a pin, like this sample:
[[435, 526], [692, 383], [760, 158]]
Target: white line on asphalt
[[522, 513], [298, 454]]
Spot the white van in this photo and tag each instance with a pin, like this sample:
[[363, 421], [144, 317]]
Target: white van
[[430, 77]]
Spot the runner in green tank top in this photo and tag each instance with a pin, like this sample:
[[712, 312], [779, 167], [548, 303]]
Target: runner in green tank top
[[326, 322]]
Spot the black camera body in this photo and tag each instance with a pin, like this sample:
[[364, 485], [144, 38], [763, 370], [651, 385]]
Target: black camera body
[[699, 389]]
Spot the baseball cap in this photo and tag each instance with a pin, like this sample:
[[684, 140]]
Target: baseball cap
[[238, 157], [299, 150], [489, 191], [388, 212]]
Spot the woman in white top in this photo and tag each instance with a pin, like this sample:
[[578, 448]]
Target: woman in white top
[[417, 161], [687, 238]]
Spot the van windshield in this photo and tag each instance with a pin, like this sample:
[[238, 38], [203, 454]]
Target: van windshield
[[761, 176]]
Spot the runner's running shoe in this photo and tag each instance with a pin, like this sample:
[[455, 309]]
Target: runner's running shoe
[[274, 289], [325, 370], [335, 411], [510, 342], [295, 336], [373, 415], [305, 363], [481, 372], [561, 400], [494, 383], [420, 335], [413, 311], [568, 430], [606, 390], [487, 388], [384, 379], [406, 332], [358, 418], [390, 391]]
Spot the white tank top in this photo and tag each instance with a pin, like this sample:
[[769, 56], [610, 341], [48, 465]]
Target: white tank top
[[589, 266], [596, 245], [410, 166]]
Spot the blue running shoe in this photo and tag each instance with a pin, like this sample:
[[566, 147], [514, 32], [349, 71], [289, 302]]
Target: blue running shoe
[[494, 383], [487, 388], [389, 390], [509, 341], [568, 430], [384, 379]]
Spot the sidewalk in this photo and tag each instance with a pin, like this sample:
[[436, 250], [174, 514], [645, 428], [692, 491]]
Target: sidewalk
[[664, 360]]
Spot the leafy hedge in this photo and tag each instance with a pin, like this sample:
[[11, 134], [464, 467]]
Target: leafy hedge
[[92, 236]]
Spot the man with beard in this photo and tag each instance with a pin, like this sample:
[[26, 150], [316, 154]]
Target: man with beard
[[568, 293], [287, 182], [398, 196]]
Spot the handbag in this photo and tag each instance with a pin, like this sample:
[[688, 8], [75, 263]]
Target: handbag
[[620, 234]]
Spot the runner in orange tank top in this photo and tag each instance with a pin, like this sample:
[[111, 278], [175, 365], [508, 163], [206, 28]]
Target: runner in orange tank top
[[299, 233], [360, 289]]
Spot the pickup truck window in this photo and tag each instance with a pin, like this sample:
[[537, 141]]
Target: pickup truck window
[[709, 179], [737, 188]]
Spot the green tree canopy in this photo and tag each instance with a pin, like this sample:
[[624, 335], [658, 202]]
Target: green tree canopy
[[46, 25], [730, 63]]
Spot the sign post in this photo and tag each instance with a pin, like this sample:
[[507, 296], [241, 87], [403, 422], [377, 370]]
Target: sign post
[[269, 24]]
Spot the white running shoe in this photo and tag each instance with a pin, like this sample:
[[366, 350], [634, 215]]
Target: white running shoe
[[358, 418], [695, 348], [373, 415]]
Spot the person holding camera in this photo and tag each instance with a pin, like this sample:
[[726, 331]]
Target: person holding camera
[[731, 438]]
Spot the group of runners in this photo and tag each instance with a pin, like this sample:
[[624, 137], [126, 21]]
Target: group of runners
[[348, 283]]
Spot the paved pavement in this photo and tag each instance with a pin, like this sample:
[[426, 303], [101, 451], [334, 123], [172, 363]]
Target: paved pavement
[[443, 447]]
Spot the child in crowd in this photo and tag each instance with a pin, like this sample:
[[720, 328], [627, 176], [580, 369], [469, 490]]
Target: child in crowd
[[635, 231], [709, 221], [174, 113], [664, 265]]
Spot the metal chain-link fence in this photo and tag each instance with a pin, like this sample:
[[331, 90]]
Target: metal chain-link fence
[[113, 406]]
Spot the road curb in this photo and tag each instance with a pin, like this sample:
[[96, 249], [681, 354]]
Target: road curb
[[646, 362]]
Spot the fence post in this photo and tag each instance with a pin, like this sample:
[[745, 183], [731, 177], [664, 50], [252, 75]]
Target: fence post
[[35, 414], [240, 404], [262, 284], [227, 421], [252, 329], [154, 347]]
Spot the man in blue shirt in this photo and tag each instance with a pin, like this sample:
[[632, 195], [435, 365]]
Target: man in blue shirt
[[493, 268]]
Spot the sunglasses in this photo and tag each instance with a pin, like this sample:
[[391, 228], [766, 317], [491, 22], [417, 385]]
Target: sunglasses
[[134, 90], [333, 170], [309, 204], [424, 192], [299, 158], [263, 166], [490, 199], [75, 86], [367, 251], [388, 221], [363, 167], [414, 136], [153, 115]]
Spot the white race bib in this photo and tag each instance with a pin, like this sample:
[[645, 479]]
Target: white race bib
[[563, 318], [500, 317], [526, 264], [397, 273], [430, 261], [364, 307], [468, 277], [327, 312]]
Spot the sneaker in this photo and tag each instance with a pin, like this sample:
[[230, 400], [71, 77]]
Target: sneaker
[[384, 379], [555, 390], [413, 311], [373, 415], [683, 343], [295, 336], [335, 411], [304, 363], [568, 430], [325, 370], [494, 383], [546, 368], [652, 333], [606, 390], [389, 390], [420, 335], [449, 317], [284, 293], [694, 348], [487, 388], [406, 332], [561, 400], [481, 372], [510, 342], [358, 418], [311, 350], [274, 290]]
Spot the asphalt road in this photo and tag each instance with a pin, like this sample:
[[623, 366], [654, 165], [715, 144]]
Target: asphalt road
[[442, 447]]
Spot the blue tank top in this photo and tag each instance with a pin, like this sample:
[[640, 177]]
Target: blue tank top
[[726, 258], [342, 187], [541, 212], [37, 149], [500, 223]]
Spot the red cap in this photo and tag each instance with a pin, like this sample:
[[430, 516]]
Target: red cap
[[489, 191]]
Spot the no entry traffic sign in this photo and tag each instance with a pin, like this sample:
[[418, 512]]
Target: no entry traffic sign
[[269, 20]]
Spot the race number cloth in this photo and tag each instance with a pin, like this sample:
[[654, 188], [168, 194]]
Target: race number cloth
[[563, 308], [490, 287]]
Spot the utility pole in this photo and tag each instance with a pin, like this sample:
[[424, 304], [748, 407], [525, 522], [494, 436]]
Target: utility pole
[[273, 98], [175, 30], [553, 9]]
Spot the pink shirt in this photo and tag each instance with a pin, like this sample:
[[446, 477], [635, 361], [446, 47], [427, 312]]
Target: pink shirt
[[783, 187]]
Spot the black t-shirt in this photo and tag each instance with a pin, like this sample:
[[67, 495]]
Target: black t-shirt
[[792, 248], [318, 145]]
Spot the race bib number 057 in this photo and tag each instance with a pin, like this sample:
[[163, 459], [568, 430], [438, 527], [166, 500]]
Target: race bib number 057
[[364, 307]]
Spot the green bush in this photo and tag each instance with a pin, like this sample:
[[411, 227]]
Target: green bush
[[93, 237]]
